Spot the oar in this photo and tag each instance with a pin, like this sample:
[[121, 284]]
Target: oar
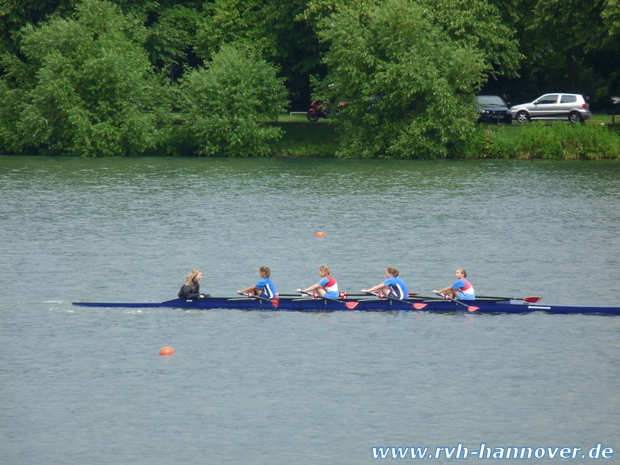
[[417, 305], [532, 300], [346, 294], [350, 305], [275, 302], [470, 308]]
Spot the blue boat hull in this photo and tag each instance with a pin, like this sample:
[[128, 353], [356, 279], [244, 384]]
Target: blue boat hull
[[376, 305]]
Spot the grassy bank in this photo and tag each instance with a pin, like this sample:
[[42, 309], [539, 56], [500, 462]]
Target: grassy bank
[[305, 139], [598, 139]]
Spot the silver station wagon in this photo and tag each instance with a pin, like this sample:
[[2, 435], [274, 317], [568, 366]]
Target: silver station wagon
[[571, 107]]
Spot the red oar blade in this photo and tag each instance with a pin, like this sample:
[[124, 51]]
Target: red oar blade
[[275, 302], [472, 308], [532, 300], [419, 306], [351, 305]]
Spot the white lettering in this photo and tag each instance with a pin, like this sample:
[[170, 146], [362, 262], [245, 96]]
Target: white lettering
[[450, 451], [565, 453], [399, 452], [380, 452], [465, 451], [593, 454]]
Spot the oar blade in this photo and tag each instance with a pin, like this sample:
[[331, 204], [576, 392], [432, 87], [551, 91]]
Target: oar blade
[[351, 305], [471, 308], [275, 302], [419, 306], [532, 300]]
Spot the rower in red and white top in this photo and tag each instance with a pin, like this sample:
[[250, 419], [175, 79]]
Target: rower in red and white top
[[461, 289], [326, 287]]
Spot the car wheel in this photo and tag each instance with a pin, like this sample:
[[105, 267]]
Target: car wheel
[[574, 117], [523, 117]]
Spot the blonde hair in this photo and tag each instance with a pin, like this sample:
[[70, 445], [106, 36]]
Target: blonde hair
[[192, 277], [463, 272], [323, 269], [266, 270], [392, 271]]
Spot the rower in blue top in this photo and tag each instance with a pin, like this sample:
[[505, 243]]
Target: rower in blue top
[[393, 286], [264, 288]]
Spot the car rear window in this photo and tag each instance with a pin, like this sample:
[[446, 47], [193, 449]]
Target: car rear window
[[568, 99]]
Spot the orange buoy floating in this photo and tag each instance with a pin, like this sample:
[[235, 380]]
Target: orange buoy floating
[[320, 234], [166, 351]]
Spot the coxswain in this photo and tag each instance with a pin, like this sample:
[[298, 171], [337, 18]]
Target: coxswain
[[191, 289]]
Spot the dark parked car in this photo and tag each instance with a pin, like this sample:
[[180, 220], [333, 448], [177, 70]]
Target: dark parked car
[[493, 109]]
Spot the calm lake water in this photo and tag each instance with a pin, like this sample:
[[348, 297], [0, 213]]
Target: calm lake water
[[87, 386]]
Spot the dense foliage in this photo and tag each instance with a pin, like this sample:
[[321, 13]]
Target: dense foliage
[[85, 88], [407, 78], [124, 77], [224, 104]]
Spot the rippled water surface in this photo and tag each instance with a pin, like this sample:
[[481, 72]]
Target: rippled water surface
[[82, 385]]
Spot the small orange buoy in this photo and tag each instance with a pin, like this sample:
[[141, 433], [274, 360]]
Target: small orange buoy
[[166, 351], [320, 234]]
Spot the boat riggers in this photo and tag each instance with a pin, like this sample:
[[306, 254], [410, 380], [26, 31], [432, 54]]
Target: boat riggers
[[470, 308], [349, 304], [416, 305], [274, 302], [371, 304]]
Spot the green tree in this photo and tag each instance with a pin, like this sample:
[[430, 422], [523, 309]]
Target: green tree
[[277, 28], [480, 24], [15, 14], [227, 103], [171, 37], [85, 87], [408, 83], [572, 46]]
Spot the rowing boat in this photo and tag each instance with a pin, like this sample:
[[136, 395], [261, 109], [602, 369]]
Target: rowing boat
[[305, 304]]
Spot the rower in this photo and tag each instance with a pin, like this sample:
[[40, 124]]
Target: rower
[[393, 286], [461, 289], [264, 288], [326, 287], [191, 289]]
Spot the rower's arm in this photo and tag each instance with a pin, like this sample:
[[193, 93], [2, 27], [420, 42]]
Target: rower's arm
[[251, 289], [374, 288], [308, 289]]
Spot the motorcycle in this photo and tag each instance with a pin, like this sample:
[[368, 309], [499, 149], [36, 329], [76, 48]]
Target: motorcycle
[[320, 109]]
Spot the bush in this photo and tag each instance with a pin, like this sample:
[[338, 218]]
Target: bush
[[227, 103], [84, 86]]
